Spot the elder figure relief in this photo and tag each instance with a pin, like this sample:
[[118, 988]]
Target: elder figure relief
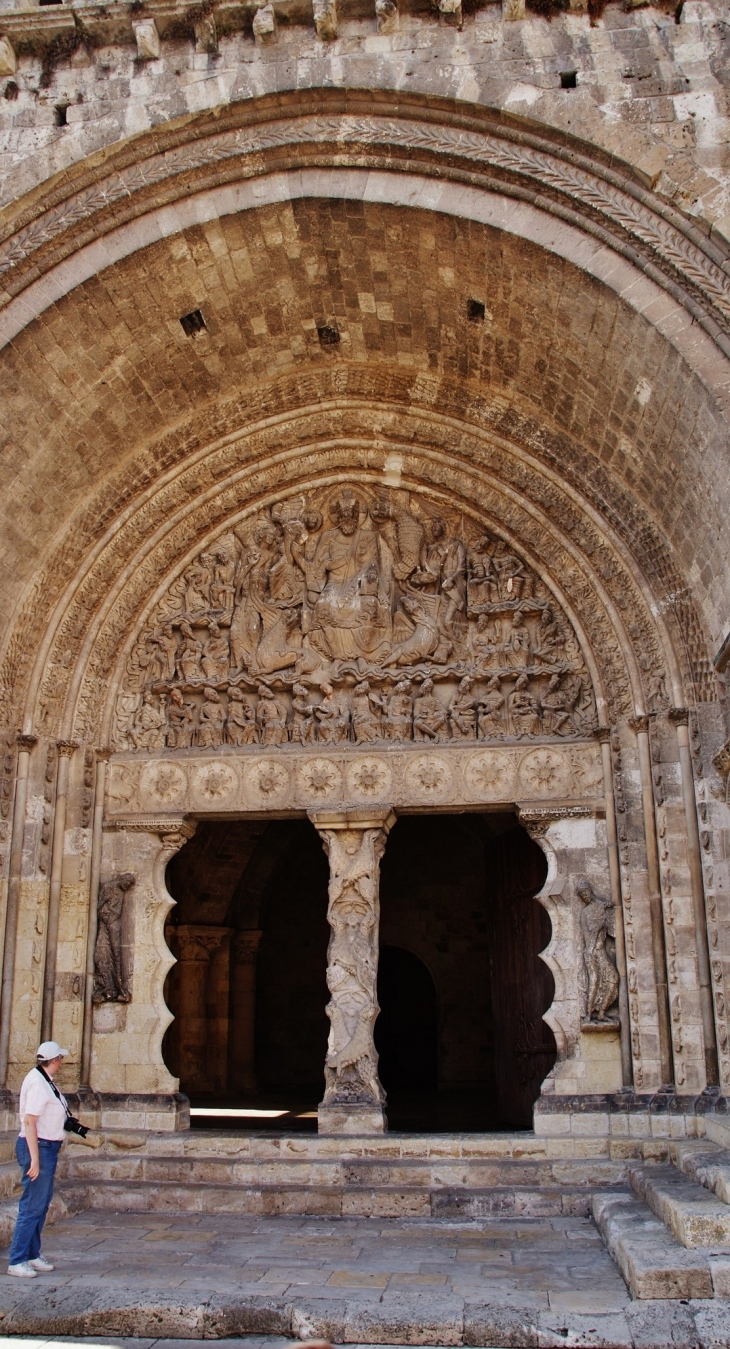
[[354, 615]]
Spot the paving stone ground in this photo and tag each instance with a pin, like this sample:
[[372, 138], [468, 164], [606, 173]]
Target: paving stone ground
[[557, 1263]]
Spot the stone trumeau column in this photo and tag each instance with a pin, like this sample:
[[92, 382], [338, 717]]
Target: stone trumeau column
[[354, 842]]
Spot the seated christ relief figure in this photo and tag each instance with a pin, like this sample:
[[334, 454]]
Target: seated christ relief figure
[[349, 587]]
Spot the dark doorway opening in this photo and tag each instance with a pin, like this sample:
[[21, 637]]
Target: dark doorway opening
[[459, 918], [462, 989], [406, 1031], [248, 991]]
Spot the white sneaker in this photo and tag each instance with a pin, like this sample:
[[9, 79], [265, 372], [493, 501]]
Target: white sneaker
[[42, 1265], [22, 1271]]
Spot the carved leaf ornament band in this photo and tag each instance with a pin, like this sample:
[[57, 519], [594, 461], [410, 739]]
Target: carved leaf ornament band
[[628, 222]]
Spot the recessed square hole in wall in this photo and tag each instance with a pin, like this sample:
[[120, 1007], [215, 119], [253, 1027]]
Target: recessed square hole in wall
[[60, 114], [328, 334], [193, 323], [475, 311], [568, 79]]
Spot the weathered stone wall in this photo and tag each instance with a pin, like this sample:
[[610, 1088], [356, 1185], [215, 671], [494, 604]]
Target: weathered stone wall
[[368, 178]]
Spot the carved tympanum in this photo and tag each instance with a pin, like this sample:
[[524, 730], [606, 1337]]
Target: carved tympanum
[[354, 615], [597, 922], [110, 983]]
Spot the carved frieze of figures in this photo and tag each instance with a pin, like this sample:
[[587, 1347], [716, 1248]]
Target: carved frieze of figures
[[597, 922], [354, 615], [110, 981]]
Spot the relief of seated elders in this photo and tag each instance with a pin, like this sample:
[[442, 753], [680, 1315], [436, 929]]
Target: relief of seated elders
[[429, 716], [241, 723], [515, 582], [556, 706], [483, 578], [462, 711], [270, 718], [524, 714], [486, 644], [180, 721], [211, 721], [190, 655], [491, 708], [517, 644], [548, 640], [302, 727], [398, 719], [367, 709], [149, 726], [216, 657], [333, 716]]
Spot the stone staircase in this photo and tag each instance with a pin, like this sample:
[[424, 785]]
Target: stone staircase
[[669, 1230], [393, 1176], [662, 1207]]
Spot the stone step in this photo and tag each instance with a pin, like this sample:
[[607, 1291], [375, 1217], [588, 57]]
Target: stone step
[[9, 1180], [356, 1172], [705, 1163], [695, 1216], [653, 1262], [127, 1196], [62, 1206], [241, 1145]]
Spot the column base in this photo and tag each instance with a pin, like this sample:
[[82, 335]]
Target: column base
[[351, 1118]]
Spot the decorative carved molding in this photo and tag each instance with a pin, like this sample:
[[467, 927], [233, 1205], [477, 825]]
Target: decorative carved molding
[[624, 215], [27, 742], [537, 819], [292, 777]]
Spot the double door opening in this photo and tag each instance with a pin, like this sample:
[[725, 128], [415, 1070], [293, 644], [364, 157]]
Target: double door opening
[[462, 991]]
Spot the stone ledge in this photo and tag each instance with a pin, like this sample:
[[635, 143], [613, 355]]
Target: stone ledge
[[415, 1319]]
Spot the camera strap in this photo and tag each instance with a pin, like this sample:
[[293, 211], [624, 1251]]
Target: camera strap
[[53, 1087]]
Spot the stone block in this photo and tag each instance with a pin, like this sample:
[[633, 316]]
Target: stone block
[[695, 1216], [513, 10], [653, 1263], [490, 1324], [351, 1119], [407, 1318], [147, 38]]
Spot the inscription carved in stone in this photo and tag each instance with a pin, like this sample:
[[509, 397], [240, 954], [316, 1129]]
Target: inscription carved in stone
[[354, 615]]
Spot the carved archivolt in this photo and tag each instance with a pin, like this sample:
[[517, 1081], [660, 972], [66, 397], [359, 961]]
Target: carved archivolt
[[353, 615], [631, 219], [490, 479]]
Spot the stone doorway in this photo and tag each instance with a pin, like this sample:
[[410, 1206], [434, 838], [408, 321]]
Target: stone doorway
[[461, 987]]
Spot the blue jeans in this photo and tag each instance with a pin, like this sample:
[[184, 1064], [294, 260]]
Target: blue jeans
[[34, 1201]]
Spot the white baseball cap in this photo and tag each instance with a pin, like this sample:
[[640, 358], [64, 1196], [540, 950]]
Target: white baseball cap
[[50, 1050]]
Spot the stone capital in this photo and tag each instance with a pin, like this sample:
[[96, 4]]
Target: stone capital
[[603, 735], [679, 716], [639, 723], [66, 748], [198, 941], [537, 819], [245, 945], [26, 742]]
